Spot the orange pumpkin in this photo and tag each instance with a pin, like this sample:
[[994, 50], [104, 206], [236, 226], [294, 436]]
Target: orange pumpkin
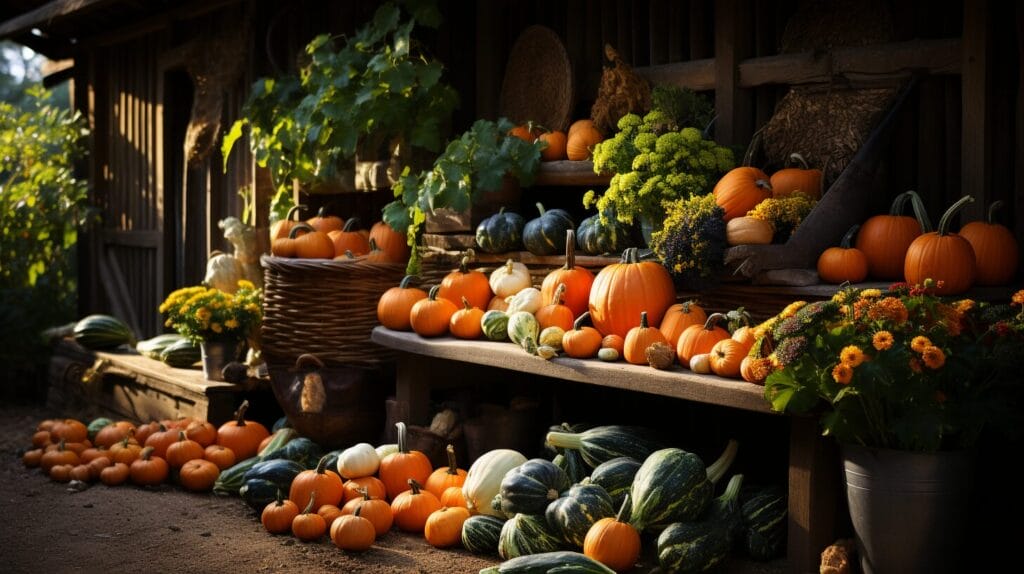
[[447, 476], [497, 304], [142, 432], [330, 512], [555, 314], [432, 316], [578, 281], [396, 303], [312, 245], [203, 432], [444, 527], [221, 456], [325, 223], [372, 485], [115, 474], [148, 469], [125, 451], [843, 263], [462, 282], [621, 291], [353, 533], [198, 475], [394, 244], [397, 468], [745, 337], [288, 246], [308, 525], [583, 136], [182, 451], [527, 132], [282, 227], [726, 357], [465, 323], [750, 372], [555, 149], [679, 317], [700, 339], [113, 433], [70, 431], [581, 342], [638, 339], [801, 179], [243, 437], [373, 508], [995, 249], [741, 190], [277, 516], [945, 257], [884, 239], [160, 440], [614, 342], [613, 542], [349, 238], [58, 456], [412, 507], [317, 485], [453, 497]]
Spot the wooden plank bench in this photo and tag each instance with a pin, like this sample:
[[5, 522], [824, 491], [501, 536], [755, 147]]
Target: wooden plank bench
[[129, 385], [813, 461]]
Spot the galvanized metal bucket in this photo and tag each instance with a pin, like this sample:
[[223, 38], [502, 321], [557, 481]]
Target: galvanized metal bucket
[[909, 509]]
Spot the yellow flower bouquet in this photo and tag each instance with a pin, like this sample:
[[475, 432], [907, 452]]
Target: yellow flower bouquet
[[900, 369], [206, 314]]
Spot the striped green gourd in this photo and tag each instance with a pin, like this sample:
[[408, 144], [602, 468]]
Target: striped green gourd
[[103, 332], [572, 515], [673, 485], [181, 355], [525, 534], [153, 347], [616, 476], [494, 325], [686, 547], [545, 235], [531, 486], [764, 522], [561, 562], [595, 237], [601, 444], [481, 532]]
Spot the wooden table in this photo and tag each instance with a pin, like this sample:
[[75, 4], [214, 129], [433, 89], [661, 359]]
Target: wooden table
[[813, 461]]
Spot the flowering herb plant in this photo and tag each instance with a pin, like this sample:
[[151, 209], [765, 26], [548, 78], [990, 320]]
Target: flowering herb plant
[[206, 314], [784, 213], [691, 244], [900, 369]]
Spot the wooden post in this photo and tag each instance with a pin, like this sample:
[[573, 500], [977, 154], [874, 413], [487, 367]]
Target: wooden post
[[732, 45], [975, 152], [814, 492]]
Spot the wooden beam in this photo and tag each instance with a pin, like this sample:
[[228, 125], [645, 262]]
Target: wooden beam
[[814, 491], [697, 75], [974, 141], [732, 46], [47, 14]]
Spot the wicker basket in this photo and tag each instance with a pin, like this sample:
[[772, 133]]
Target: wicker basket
[[324, 308]]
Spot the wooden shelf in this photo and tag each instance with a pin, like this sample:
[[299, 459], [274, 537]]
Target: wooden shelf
[[677, 382], [569, 173]]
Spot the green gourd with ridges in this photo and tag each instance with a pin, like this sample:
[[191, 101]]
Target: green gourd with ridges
[[232, 478], [97, 425], [687, 547], [764, 528], [522, 325], [525, 534], [601, 444], [181, 355], [545, 235], [673, 485], [480, 533], [264, 479], [103, 332], [616, 476], [572, 515], [494, 325], [561, 562], [301, 450], [501, 232], [531, 486], [152, 348], [594, 237]]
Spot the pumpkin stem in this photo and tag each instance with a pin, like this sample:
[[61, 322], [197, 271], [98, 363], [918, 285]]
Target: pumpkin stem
[[465, 303], [565, 440], [763, 184], [373, 245], [718, 468], [239, 414], [415, 486], [713, 320], [847, 241], [570, 250], [358, 510], [432, 295], [401, 429], [622, 509], [578, 323], [464, 264], [304, 227], [508, 266], [920, 213], [279, 498], [350, 225], [321, 466], [309, 505], [407, 280], [996, 205], [559, 294], [364, 492], [453, 468], [643, 319], [799, 159], [146, 453], [294, 211], [732, 490], [181, 436], [629, 255], [540, 208], [943, 228]]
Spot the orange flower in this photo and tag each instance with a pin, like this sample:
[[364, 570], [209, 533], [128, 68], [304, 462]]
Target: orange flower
[[964, 305], [860, 308], [919, 343], [851, 355], [933, 357], [1018, 297], [842, 374], [888, 309], [882, 341]]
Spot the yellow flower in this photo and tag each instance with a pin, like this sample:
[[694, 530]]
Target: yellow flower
[[870, 293], [245, 284], [933, 357], [851, 355], [216, 328], [839, 297], [792, 308], [231, 324], [842, 373], [919, 343], [252, 308], [1018, 297], [773, 359], [203, 314], [763, 328], [882, 341]]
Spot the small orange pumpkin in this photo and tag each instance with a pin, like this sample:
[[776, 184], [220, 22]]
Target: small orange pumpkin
[[394, 244], [198, 475], [148, 469], [613, 541], [431, 317], [221, 456], [282, 227], [465, 323], [555, 149], [325, 223], [726, 357], [317, 485], [353, 533], [801, 179], [182, 451], [446, 477], [843, 263], [115, 474], [375, 509], [242, 436], [277, 516], [679, 317], [412, 507], [638, 339], [527, 132], [555, 314], [700, 339], [453, 496], [396, 303], [308, 525], [203, 432], [462, 282], [741, 190], [577, 280], [349, 238], [397, 468], [581, 342], [583, 136], [614, 342], [995, 249], [444, 526]]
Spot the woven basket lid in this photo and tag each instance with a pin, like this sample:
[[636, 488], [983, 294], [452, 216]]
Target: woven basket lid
[[538, 84]]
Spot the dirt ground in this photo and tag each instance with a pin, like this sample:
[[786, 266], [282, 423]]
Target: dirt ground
[[48, 528]]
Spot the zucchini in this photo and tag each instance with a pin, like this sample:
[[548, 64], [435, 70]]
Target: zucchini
[[181, 355], [700, 546], [526, 534], [232, 479], [153, 347], [673, 485], [531, 486], [265, 478], [561, 562], [616, 476], [102, 332], [480, 533], [572, 515], [601, 444], [763, 512]]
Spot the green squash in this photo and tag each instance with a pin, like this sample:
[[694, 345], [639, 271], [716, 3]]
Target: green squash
[[701, 546], [501, 232], [264, 479], [601, 444], [546, 234], [525, 534], [103, 332], [233, 478], [97, 425], [181, 355], [549, 451], [301, 450], [152, 348], [572, 515], [594, 237], [523, 325], [764, 529], [259, 492], [561, 562], [494, 324], [673, 485], [531, 486], [481, 532], [616, 476]]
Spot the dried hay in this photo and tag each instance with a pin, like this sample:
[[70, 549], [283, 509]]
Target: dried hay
[[622, 91], [215, 64], [826, 24]]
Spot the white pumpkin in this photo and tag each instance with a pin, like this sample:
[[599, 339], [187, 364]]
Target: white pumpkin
[[483, 480], [386, 449], [509, 279], [223, 272], [701, 364], [529, 300], [358, 461]]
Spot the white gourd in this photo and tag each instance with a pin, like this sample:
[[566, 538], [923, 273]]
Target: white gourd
[[529, 300], [483, 480], [223, 272], [385, 449], [358, 461], [509, 279], [701, 364]]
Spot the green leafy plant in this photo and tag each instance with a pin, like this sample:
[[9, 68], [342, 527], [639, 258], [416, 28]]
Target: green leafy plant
[[682, 106], [691, 244], [376, 88], [42, 205], [476, 162], [654, 163], [899, 369]]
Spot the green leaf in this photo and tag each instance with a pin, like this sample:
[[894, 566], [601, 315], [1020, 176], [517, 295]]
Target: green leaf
[[229, 140]]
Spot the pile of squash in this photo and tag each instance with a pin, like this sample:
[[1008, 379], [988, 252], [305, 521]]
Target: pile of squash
[[575, 145], [742, 189], [325, 236]]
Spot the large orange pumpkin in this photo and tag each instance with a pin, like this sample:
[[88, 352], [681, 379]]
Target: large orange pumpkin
[[397, 468], [396, 303], [394, 244], [700, 339], [843, 263], [242, 436], [884, 239], [995, 249], [622, 291], [678, 318], [741, 190], [942, 256], [793, 179], [462, 282], [578, 281]]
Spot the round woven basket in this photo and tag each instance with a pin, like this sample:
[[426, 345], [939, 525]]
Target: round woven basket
[[325, 308], [538, 82]]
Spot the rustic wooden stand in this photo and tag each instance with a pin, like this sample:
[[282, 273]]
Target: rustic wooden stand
[[813, 461]]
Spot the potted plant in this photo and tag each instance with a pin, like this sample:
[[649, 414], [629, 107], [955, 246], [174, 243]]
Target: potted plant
[[906, 382]]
